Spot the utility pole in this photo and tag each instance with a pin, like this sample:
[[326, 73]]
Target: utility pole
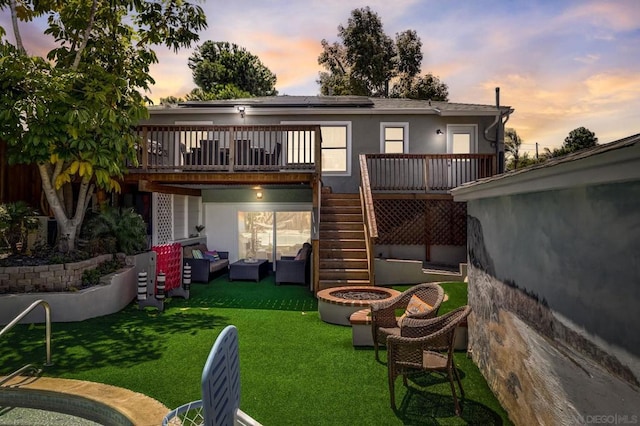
[[537, 151]]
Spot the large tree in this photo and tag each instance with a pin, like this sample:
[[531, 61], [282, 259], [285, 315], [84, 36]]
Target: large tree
[[73, 113], [370, 63], [223, 70]]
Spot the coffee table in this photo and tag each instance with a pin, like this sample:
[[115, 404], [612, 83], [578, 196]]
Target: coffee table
[[247, 270]]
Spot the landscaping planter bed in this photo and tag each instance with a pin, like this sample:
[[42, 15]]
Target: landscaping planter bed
[[115, 292]]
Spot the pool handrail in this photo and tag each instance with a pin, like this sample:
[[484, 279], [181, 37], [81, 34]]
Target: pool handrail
[[16, 320]]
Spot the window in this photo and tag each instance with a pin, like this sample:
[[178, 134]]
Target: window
[[336, 147], [462, 138], [394, 138], [272, 234]]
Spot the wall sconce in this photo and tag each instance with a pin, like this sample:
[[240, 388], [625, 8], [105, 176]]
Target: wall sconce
[[439, 132], [259, 195], [241, 111]]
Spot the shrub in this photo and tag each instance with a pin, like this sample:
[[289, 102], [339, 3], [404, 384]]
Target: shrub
[[16, 220], [91, 277], [124, 227]]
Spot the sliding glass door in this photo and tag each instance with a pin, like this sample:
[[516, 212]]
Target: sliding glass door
[[272, 234]]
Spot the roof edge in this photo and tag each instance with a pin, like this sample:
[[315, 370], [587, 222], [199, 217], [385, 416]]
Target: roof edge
[[616, 161]]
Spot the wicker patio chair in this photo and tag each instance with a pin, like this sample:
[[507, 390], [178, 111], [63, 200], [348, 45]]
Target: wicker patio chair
[[426, 345], [383, 313]]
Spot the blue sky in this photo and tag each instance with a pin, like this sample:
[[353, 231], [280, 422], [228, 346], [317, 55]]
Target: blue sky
[[560, 64]]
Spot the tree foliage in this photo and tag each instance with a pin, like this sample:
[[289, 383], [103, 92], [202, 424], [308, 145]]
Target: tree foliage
[[512, 145], [514, 157], [578, 139], [420, 87], [370, 63], [223, 70], [73, 112]]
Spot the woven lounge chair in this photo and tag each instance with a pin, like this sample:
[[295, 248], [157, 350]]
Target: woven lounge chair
[[426, 345], [383, 313]]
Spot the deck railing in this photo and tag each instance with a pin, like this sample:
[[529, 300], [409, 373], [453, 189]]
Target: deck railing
[[426, 172], [370, 225], [228, 148]]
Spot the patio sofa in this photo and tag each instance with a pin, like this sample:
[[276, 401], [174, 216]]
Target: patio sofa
[[205, 264]]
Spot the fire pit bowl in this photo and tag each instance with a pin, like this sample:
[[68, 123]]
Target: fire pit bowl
[[336, 304]]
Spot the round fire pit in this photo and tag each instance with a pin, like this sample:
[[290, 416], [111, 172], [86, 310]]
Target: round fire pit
[[336, 304]]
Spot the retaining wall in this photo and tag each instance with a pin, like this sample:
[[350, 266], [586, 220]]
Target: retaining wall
[[114, 293], [45, 278]]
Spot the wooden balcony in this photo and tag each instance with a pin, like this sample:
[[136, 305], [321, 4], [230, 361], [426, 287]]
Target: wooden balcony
[[285, 154], [227, 154], [426, 172]]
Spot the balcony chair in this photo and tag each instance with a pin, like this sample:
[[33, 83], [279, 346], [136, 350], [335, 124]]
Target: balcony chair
[[383, 313], [273, 158], [425, 345], [296, 270]]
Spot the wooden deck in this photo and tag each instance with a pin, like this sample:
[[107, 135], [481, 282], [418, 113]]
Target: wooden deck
[[179, 159], [284, 154]]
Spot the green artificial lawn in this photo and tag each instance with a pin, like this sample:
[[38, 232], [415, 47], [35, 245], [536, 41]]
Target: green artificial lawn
[[295, 369]]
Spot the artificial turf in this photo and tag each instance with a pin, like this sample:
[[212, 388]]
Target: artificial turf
[[295, 369]]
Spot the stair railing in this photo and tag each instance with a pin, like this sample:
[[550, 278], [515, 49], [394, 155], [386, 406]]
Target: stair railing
[[16, 320], [370, 225]]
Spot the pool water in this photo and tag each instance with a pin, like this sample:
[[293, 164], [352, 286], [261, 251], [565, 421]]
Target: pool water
[[19, 416]]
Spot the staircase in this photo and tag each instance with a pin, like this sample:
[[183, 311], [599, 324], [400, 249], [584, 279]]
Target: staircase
[[343, 253]]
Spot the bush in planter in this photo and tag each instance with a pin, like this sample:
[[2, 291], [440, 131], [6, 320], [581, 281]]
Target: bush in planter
[[91, 277], [16, 220], [115, 230]]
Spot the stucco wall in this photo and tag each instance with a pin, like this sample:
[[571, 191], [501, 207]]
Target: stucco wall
[[554, 286]]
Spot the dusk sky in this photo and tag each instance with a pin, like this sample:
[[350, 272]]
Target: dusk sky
[[561, 64]]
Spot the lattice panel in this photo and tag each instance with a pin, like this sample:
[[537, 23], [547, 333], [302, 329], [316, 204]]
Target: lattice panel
[[448, 222], [421, 222], [163, 218], [401, 221]]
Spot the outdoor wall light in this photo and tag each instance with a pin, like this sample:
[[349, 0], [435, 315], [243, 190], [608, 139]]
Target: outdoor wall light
[[439, 132], [259, 195], [241, 111]]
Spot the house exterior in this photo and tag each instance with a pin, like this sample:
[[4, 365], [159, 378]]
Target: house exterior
[[264, 175], [554, 286], [291, 151]]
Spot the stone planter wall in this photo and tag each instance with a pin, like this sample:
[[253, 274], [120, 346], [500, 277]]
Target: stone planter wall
[[114, 293], [46, 278]]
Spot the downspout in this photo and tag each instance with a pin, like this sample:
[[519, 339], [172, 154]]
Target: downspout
[[499, 125]]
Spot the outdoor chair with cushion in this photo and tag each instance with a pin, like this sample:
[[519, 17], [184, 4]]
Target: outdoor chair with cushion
[[426, 345], [295, 270], [273, 158], [419, 301]]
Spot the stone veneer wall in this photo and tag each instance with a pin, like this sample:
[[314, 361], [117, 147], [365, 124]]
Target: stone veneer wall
[[45, 278], [554, 287]]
